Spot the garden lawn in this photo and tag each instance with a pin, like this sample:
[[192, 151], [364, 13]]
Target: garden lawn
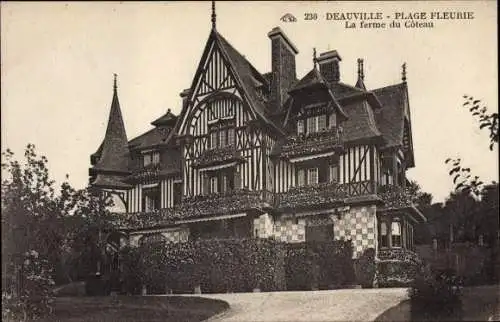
[[135, 308]]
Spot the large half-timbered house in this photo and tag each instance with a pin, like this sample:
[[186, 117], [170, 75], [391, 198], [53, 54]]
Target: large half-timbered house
[[266, 155]]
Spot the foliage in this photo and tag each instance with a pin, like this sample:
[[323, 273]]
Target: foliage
[[35, 298], [218, 155], [366, 268], [320, 265], [311, 195], [486, 121], [218, 265], [316, 142], [65, 227], [395, 196], [435, 294], [397, 267]]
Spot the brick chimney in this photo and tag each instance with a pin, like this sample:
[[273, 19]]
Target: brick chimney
[[329, 65], [283, 65]]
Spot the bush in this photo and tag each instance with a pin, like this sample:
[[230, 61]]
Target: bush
[[365, 268], [436, 294], [397, 267], [36, 297], [320, 265], [217, 265]]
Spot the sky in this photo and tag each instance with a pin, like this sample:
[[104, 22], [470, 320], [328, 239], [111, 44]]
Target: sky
[[58, 60]]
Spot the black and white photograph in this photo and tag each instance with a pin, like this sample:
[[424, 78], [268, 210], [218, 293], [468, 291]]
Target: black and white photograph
[[250, 161]]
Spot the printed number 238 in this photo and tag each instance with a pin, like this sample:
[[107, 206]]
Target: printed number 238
[[310, 16]]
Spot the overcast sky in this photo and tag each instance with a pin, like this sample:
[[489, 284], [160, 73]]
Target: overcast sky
[[58, 60]]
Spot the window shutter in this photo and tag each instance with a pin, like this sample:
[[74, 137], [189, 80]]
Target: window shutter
[[333, 120], [311, 124]]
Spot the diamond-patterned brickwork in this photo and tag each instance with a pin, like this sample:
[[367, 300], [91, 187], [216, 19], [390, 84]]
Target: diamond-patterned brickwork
[[359, 225], [290, 230]]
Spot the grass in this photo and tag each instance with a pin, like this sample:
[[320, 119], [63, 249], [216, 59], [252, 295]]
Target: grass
[[135, 308]]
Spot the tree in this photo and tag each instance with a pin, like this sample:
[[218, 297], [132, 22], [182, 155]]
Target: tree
[[63, 229], [486, 121]]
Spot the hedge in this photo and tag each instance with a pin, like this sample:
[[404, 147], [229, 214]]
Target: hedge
[[397, 267], [236, 265], [322, 265], [217, 265]]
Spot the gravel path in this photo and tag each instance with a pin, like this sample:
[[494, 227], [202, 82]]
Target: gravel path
[[337, 305]]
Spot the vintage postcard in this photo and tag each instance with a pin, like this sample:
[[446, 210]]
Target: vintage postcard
[[250, 161]]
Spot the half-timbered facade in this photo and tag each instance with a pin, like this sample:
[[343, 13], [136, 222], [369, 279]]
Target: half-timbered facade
[[266, 155]]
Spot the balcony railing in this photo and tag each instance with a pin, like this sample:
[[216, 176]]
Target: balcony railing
[[312, 143], [224, 203], [218, 156]]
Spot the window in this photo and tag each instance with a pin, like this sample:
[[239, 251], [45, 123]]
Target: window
[[300, 177], [332, 120], [222, 138], [213, 139], [333, 173], [177, 193], [151, 158], [300, 127], [383, 235], [312, 176], [230, 136], [221, 134], [312, 125], [213, 185], [321, 122], [396, 234], [151, 199]]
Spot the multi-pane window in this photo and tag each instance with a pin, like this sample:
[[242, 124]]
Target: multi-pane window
[[300, 127], [151, 199], [213, 186], [333, 173], [151, 158], [312, 176], [221, 135], [396, 234], [300, 177], [383, 235], [222, 181], [316, 123]]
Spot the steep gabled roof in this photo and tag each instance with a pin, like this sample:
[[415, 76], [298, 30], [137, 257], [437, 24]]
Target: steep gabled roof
[[114, 152], [247, 75], [360, 123], [168, 118], [340, 90], [390, 118]]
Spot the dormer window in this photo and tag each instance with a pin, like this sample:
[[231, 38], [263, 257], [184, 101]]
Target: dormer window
[[151, 158], [316, 123]]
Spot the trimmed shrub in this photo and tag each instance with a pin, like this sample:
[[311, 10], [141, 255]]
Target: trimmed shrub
[[321, 265], [397, 267], [217, 265], [366, 268]]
